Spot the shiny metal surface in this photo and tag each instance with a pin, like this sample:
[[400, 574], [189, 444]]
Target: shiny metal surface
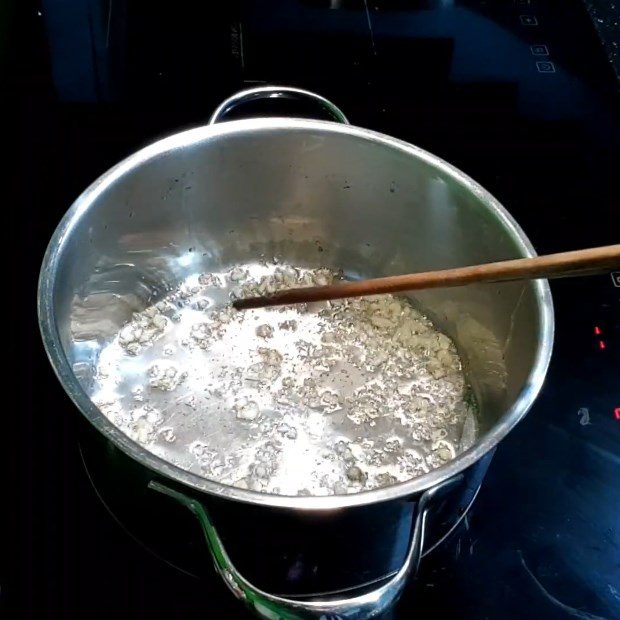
[[268, 552], [217, 195], [370, 604], [276, 92]]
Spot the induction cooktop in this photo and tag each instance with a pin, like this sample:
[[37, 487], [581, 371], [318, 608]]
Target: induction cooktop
[[517, 93]]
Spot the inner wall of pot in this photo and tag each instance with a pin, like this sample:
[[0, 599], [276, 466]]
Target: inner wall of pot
[[311, 197]]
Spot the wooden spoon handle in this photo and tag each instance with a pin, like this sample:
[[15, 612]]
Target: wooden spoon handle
[[579, 262]]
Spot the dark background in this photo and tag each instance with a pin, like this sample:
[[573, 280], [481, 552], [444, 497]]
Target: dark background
[[86, 85]]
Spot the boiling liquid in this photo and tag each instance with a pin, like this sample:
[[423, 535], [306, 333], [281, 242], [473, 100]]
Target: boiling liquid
[[327, 398]]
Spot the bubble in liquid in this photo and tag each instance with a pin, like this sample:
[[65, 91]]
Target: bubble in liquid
[[138, 394], [264, 331], [167, 434], [290, 325], [287, 431], [165, 376], [246, 409], [355, 474], [237, 273], [201, 450], [209, 279], [385, 480], [330, 400]]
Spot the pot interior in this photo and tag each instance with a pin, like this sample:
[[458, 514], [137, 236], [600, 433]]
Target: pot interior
[[313, 195]]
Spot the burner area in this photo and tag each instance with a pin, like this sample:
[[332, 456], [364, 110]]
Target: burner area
[[519, 94], [154, 522]]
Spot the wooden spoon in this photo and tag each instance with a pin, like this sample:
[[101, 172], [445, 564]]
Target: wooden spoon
[[580, 262]]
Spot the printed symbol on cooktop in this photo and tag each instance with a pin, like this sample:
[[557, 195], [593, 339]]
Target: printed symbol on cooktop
[[539, 50], [544, 66], [584, 416], [523, 2], [528, 20], [615, 278]]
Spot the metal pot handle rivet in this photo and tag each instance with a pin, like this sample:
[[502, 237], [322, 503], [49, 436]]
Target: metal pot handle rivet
[[276, 92], [271, 607]]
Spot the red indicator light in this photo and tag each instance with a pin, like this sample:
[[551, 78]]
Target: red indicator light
[[601, 345], [597, 330], [617, 413]]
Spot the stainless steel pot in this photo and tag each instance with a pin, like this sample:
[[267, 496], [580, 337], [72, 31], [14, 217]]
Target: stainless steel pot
[[209, 197]]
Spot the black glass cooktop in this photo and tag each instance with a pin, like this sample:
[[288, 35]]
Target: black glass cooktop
[[517, 93]]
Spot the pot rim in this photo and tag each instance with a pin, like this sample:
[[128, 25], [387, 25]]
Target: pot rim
[[62, 368]]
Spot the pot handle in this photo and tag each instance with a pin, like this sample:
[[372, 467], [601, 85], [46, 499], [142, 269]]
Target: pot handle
[[272, 607], [276, 92]]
